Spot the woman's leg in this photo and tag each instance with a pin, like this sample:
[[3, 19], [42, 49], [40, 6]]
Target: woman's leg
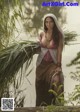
[[43, 97]]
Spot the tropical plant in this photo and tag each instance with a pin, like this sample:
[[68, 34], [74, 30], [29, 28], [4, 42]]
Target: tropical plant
[[12, 59], [58, 98], [75, 61], [74, 96], [10, 11]]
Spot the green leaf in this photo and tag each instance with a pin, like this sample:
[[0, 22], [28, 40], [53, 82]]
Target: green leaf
[[53, 92], [54, 84], [13, 58], [59, 88]]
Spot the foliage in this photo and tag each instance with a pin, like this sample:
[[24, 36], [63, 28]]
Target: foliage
[[61, 109], [76, 61], [75, 75], [74, 97], [18, 93], [10, 10], [69, 36], [58, 98], [12, 59]]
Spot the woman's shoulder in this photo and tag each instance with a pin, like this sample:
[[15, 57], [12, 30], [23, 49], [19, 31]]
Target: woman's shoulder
[[42, 33]]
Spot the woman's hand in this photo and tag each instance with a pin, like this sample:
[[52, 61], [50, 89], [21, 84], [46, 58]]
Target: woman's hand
[[58, 69]]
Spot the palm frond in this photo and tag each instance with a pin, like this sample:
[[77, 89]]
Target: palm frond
[[75, 61], [69, 36], [13, 58]]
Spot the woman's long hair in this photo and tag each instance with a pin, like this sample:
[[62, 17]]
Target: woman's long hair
[[56, 33]]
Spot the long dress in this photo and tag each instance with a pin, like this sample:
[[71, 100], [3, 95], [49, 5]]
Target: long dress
[[44, 71]]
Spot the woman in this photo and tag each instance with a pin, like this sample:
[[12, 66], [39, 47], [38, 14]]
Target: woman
[[48, 68]]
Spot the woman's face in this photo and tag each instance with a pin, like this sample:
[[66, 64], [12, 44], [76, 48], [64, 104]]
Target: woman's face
[[49, 23]]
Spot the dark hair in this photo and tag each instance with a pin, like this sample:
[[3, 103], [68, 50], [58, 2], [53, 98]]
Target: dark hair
[[56, 33]]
